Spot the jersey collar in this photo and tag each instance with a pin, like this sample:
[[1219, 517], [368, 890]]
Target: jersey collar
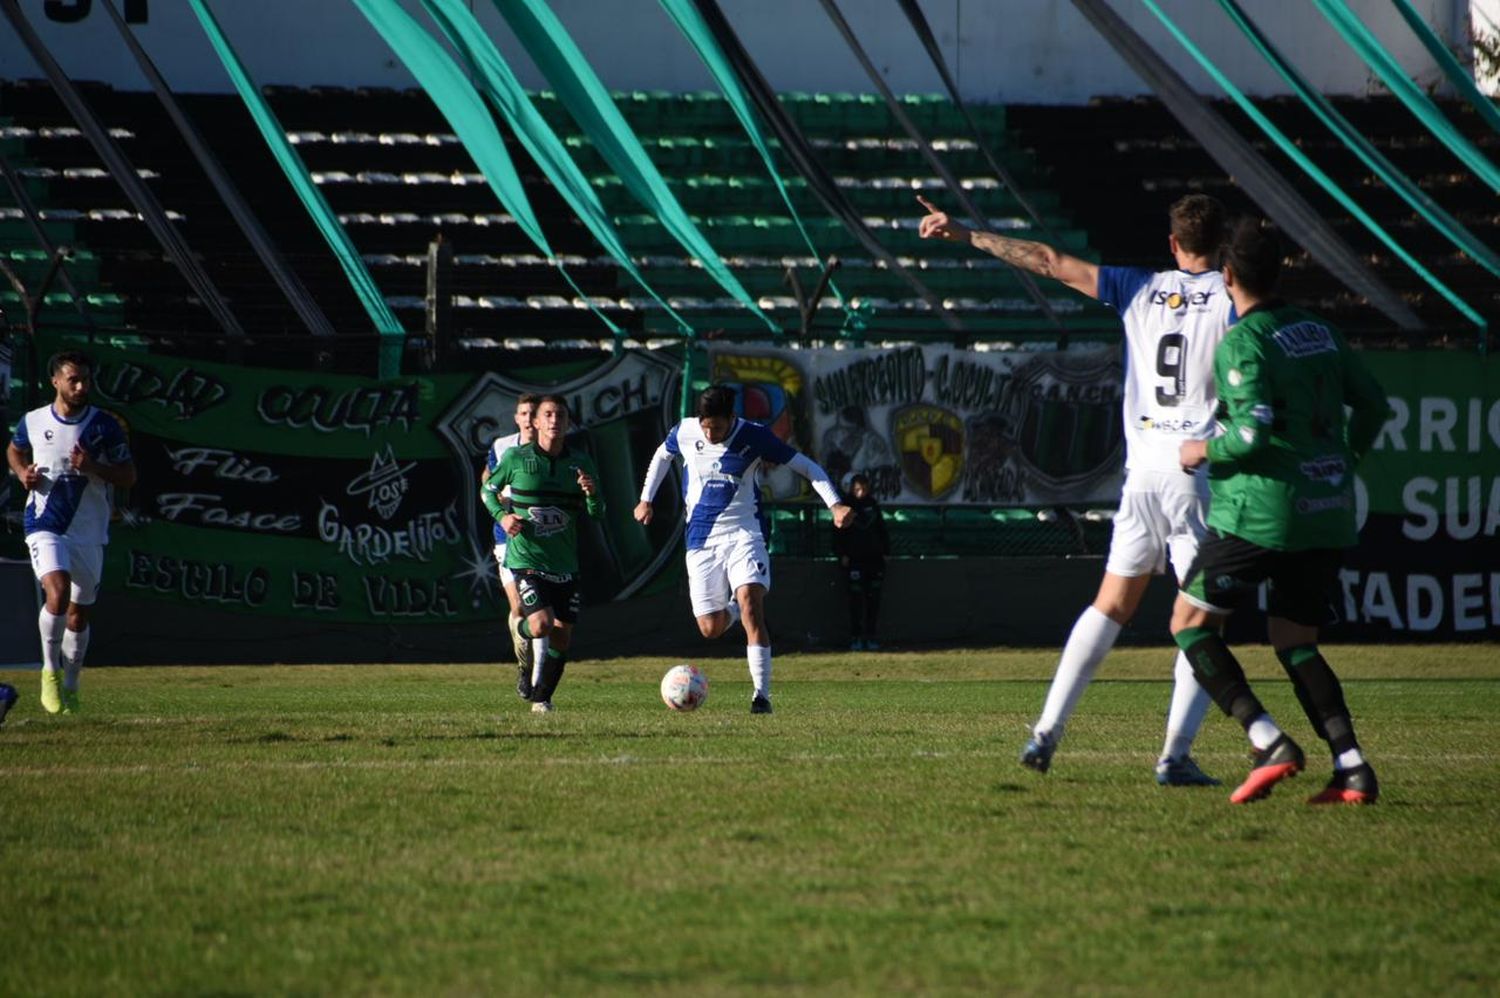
[[87, 411]]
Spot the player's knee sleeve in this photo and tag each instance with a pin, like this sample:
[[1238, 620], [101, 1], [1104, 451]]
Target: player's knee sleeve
[[1219, 673]]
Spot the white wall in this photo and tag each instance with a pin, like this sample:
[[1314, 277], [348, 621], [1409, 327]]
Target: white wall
[[1015, 51]]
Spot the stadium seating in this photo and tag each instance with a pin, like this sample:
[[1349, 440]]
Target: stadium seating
[[388, 164], [1120, 163], [395, 174]]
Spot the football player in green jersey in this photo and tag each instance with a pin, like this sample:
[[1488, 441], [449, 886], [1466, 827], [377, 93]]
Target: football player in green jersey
[[1282, 480], [550, 486]]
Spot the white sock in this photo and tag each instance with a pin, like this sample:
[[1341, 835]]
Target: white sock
[[1092, 637], [1263, 731], [539, 649], [1348, 760], [52, 626], [759, 657], [1189, 706], [75, 644]]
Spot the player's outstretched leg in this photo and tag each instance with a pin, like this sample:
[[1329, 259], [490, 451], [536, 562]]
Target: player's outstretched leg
[[1276, 757], [1190, 703], [1091, 639], [1322, 698]]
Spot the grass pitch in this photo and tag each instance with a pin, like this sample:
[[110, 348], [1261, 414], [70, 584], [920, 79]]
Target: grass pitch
[[399, 830]]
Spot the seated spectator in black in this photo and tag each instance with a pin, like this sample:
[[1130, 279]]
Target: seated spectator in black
[[861, 549]]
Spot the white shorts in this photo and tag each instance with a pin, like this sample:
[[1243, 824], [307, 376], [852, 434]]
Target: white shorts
[[717, 571], [507, 577], [1162, 516], [84, 563]]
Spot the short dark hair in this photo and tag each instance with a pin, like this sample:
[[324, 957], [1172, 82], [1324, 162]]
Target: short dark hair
[[556, 400], [857, 479], [1253, 251], [63, 358], [528, 398], [715, 401], [1198, 222]]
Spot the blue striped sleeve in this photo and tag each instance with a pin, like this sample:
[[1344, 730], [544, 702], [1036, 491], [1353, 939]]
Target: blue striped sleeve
[[768, 446], [1118, 286], [113, 446]]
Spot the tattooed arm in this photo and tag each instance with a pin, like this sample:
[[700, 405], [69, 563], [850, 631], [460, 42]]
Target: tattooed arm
[[1038, 258]]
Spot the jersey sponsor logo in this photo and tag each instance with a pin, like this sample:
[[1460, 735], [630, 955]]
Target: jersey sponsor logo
[[1169, 424], [930, 440], [1330, 468], [547, 520], [1176, 300], [1324, 504], [1304, 339]]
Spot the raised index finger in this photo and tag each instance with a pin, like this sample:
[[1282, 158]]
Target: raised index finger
[[928, 205]]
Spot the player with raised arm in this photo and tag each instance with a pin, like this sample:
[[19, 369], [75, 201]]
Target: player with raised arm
[[550, 486], [729, 571], [525, 434], [69, 456], [1282, 475], [1173, 320]]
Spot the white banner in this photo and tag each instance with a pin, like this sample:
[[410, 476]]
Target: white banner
[[935, 424]]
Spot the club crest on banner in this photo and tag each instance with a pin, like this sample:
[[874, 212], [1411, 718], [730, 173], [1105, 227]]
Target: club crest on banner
[[930, 441]]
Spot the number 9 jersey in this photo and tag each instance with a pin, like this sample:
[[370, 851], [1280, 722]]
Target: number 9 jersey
[[1174, 321]]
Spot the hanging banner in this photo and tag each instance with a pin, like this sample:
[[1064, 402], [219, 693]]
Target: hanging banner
[[351, 499], [940, 425], [320, 497], [1428, 497]]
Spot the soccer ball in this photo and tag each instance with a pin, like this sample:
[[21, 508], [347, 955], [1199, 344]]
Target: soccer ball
[[684, 688]]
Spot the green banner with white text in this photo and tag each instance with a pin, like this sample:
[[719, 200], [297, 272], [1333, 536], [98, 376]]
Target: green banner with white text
[[350, 499], [1428, 496]]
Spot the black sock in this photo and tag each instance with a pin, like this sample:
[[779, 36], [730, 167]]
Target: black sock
[[1219, 673], [552, 673], [1321, 696]]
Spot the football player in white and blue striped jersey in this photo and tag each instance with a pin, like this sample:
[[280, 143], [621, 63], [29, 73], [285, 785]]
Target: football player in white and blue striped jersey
[[69, 456], [729, 571], [1173, 320]]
